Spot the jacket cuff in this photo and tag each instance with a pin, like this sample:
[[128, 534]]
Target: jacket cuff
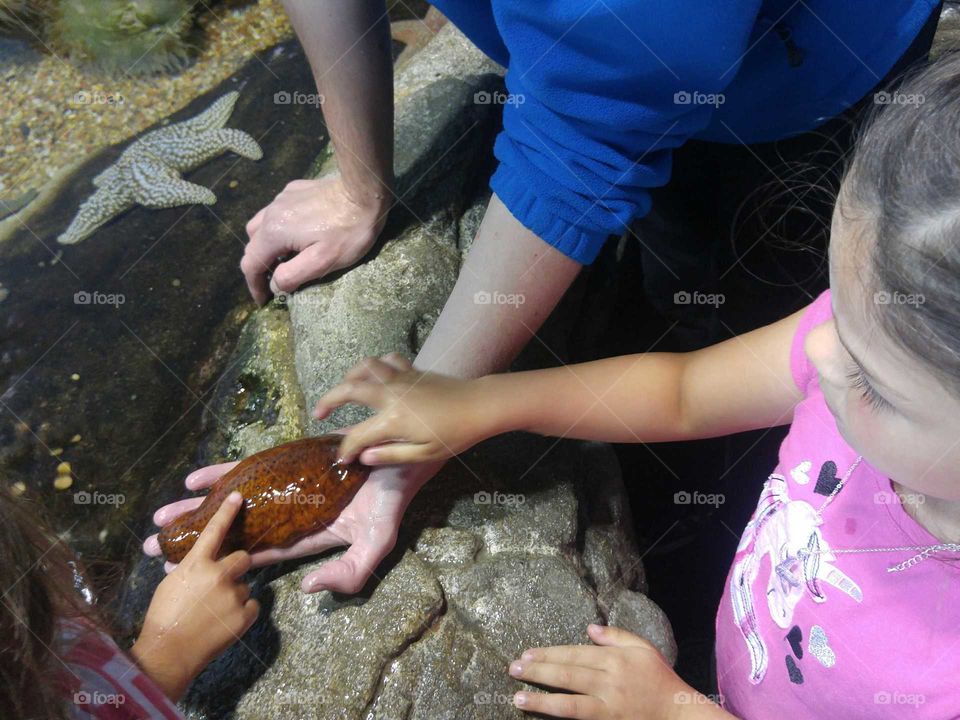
[[542, 216]]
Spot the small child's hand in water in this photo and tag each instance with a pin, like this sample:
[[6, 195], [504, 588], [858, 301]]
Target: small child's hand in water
[[626, 677], [421, 416], [199, 610]]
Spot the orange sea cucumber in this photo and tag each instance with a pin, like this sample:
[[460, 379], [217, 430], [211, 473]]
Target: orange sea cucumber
[[289, 491]]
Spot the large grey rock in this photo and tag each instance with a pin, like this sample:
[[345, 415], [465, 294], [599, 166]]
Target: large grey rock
[[488, 562], [388, 304], [947, 38]]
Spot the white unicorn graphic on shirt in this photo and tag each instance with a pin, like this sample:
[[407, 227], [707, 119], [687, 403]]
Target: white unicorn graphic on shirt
[[788, 531]]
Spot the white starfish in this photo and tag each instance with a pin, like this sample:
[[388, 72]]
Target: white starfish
[[148, 172]]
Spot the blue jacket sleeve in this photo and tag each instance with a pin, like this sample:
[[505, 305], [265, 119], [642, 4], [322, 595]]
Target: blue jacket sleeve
[[598, 98]]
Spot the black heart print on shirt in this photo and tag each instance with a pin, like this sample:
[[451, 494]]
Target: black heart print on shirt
[[795, 638], [827, 481]]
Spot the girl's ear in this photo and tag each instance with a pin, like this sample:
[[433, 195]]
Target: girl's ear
[[821, 347]]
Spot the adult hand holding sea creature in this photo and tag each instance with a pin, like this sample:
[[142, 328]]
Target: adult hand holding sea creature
[[368, 525]]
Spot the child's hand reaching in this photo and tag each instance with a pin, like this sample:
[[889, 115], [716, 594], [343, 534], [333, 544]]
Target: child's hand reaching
[[624, 678], [422, 416], [199, 610]]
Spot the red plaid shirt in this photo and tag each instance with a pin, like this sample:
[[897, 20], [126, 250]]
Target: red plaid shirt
[[100, 681]]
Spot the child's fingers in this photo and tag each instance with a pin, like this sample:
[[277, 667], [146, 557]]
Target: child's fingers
[[363, 392], [614, 636], [586, 656], [398, 454], [371, 368], [370, 432], [236, 563], [343, 430], [397, 362], [251, 610], [582, 707], [565, 677], [213, 535]]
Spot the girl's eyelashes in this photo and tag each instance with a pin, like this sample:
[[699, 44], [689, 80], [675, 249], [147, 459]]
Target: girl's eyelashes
[[859, 381]]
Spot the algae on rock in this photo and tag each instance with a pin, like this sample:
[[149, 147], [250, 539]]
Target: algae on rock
[[259, 397]]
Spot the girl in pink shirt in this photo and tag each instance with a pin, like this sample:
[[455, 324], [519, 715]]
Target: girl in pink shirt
[[57, 661], [843, 600]]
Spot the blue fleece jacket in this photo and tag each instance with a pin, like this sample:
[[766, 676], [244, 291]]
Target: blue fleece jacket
[[599, 94]]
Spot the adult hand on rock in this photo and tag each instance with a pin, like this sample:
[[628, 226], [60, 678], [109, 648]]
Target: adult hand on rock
[[368, 525], [321, 222]]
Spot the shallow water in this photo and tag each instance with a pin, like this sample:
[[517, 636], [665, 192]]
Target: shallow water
[[110, 349]]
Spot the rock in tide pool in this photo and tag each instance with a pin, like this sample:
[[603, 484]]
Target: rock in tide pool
[[474, 579], [148, 172]]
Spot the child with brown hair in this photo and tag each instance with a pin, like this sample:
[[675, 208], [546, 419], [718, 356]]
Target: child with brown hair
[[58, 661]]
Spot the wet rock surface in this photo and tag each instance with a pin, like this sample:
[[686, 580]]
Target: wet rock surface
[[466, 590]]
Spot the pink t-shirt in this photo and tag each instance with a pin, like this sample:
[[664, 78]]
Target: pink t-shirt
[[805, 630]]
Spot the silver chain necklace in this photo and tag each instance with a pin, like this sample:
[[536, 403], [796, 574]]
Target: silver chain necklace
[[923, 551]]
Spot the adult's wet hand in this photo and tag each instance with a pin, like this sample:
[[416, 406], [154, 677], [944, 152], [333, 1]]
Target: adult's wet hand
[[320, 223], [368, 525]]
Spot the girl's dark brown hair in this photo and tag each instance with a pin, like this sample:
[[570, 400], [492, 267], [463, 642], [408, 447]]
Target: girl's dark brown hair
[[37, 589], [904, 184]]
